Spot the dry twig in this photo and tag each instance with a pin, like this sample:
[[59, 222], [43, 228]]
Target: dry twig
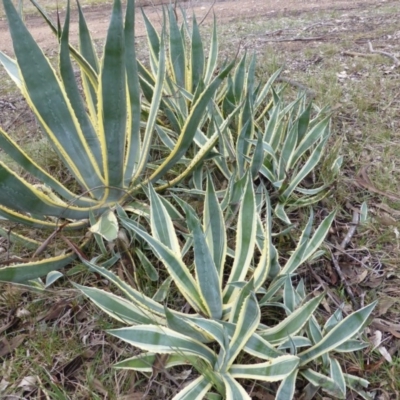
[[326, 287], [45, 244], [335, 263], [310, 92], [355, 54], [384, 53], [272, 33], [208, 12], [362, 179], [352, 230], [297, 39], [343, 245], [10, 124], [157, 368], [326, 23]]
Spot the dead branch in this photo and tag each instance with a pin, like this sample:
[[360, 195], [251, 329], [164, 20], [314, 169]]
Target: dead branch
[[355, 54], [276, 32], [176, 14], [45, 244], [355, 259], [10, 124], [343, 245], [362, 180], [18, 260], [157, 368], [352, 230], [75, 249], [297, 39], [310, 92], [384, 53], [326, 288], [208, 12], [335, 263], [326, 23]]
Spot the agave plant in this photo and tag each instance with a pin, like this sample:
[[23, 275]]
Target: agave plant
[[104, 138], [187, 76], [281, 142], [226, 297], [293, 144]]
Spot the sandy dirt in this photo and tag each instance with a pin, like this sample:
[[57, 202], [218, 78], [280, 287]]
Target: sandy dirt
[[98, 16]]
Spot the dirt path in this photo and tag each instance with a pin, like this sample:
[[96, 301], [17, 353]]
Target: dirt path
[[98, 16]]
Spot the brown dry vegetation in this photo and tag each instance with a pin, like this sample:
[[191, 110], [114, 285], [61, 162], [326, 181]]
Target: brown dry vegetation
[[56, 341]]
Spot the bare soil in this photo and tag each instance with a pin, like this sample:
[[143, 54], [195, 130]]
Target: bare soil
[[225, 11]]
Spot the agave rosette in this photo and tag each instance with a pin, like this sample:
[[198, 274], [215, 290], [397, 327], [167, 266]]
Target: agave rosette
[[101, 138], [226, 297], [281, 143]]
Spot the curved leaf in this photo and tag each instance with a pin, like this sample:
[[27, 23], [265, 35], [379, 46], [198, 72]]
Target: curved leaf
[[287, 387], [196, 56], [29, 165], [32, 270], [214, 224], [82, 62], [233, 389], [176, 51], [249, 319], [270, 371], [177, 269], [134, 102], [327, 384], [138, 298], [12, 68], [120, 309], [212, 55], [163, 340], [161, 223], [47, 98], [189, 129], [206, 272], [154, 109], [307, 248], [19, 195], [342, 332], [196, 390], [144, 362], [291, 324], [245, 239], [112, 104], [186, 327], [106, 226], [72, 91], [88, 53]]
